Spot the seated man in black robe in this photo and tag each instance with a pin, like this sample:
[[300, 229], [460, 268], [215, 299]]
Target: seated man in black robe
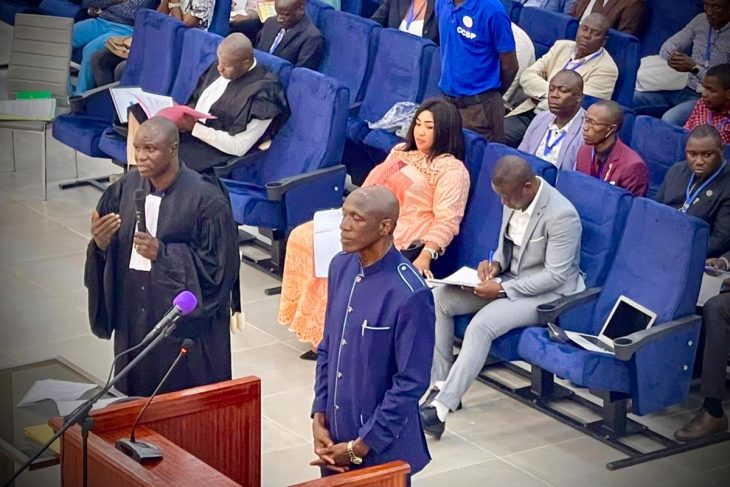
[[292, 36], [249, 102], [190, 243]]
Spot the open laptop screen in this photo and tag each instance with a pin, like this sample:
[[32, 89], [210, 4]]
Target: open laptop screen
[[626, 319]]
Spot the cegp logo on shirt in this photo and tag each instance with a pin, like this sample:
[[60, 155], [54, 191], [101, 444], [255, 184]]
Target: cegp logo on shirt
[[469, 23]]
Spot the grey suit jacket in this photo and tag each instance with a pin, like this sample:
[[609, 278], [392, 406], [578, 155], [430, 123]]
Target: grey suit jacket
[[550, 253]]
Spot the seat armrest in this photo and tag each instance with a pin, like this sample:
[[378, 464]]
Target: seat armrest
[[276, 190], [625, 347], [77, 103], [549, 312], [225, 169]]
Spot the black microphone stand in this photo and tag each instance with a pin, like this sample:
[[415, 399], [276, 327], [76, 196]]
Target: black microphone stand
[[81, 414]]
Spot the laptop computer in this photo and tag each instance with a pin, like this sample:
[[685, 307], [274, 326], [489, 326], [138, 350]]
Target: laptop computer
[[626, 317]]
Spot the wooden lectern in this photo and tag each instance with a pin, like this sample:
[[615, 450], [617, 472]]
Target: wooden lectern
[[209, 435]]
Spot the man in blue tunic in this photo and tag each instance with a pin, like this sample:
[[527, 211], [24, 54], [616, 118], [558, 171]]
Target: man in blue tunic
[[374, 361]]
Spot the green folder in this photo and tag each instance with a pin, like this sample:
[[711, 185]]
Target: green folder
[[31, 95]]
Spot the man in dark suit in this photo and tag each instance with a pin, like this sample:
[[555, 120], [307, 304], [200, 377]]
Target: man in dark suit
[[623, 15], [392, 13], [292, 36]]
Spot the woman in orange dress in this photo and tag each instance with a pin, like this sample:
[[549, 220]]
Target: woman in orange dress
[[431, 183]]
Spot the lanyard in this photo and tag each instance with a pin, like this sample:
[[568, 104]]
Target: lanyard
[[708, 49], [576, 66], [549, 147], [410, 17], [689, 198]]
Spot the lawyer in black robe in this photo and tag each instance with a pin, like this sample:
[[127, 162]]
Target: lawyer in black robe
[[197, 251]]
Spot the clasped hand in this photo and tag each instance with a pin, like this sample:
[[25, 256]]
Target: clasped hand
[[681, 62], [332, 456]]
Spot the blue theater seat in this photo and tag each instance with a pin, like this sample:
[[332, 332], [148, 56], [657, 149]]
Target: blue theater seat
[[399, 74], [352, 65], [314, 9], [660, 145], [513, 9], [152, 62], [63, 8], [220, 23], [545, 27], [661, 23], [624, 49], [8, 9], [659, 264], [299, 174]]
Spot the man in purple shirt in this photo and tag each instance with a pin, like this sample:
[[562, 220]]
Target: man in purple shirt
[[374, 361]]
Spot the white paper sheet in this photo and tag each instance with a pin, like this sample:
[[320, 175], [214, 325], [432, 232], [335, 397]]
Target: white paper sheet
[[326, 239], [710, 287], [58, 390], [67, 407], [466, 276], [124, 98]]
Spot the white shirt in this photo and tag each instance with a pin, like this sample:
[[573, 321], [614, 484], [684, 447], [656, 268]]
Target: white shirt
[[235, 145], [416, 27], [556, 141], [589, 9], [532, 3], [520, 219]]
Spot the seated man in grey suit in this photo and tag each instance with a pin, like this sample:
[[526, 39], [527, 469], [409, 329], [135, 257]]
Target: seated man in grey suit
[[536, 262], [555, 136]]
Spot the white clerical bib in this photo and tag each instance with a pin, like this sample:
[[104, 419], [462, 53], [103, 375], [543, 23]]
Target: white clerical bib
[[151, 214]]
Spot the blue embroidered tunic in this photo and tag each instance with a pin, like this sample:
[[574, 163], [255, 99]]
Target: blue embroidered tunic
[[374, 362]]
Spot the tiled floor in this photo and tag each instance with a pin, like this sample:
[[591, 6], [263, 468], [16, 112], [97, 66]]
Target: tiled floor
[[493, 441]]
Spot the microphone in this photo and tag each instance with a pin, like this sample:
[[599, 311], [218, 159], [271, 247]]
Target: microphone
[[183, 304], [139, 214], [140, 451]]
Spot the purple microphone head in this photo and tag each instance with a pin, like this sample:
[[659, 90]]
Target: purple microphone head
[[186, 301]]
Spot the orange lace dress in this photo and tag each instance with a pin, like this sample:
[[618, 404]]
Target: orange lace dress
[[432, 197]]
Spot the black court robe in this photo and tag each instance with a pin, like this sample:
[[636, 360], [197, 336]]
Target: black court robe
[[257, 94], [198, 252]]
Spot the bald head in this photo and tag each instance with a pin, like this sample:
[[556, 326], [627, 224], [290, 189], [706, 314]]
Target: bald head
[[377, 201], [569, 79], [235, 56], [591, 35], [162, 128], [512, 171], [155, 151]]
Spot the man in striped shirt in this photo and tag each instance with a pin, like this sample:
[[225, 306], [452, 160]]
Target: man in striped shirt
[[708, 34]]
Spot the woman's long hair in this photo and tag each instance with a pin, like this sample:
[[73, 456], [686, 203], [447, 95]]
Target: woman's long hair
[[447, 135]]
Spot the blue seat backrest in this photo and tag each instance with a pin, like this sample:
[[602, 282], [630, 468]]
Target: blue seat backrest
[[659, 264], [434, 75], [624, 49], [281, 67], [351, 65], [200, 53], [627, 129], [482, 220], [545, 27], [660, 145], [513, 9], [603, 209], [314, 8], [157, 45], [661, 22], [314, 135], [399, 72], [352, 6], [220, 22]]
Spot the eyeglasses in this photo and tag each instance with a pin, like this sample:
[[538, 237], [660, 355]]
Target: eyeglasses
[[592, 123]]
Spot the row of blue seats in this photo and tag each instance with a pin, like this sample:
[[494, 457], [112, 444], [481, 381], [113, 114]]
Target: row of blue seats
[[631, 246]]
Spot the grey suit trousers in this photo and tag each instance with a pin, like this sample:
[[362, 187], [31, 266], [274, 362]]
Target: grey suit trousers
[[492, 320]]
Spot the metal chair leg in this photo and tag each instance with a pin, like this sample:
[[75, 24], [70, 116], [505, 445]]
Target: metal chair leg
[[12, 150], [44, 174], [76, 164]]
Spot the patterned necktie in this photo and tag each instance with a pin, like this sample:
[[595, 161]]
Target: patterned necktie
[[279, 36]]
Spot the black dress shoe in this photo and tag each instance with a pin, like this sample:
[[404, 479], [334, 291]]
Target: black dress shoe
[[432, 395], [431, 423], [309, 355]]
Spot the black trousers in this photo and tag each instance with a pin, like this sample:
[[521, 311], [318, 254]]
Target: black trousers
[[516, 126], [716, 320]]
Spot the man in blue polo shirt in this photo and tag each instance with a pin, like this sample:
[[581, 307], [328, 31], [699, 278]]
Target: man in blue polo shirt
[[478, 61]]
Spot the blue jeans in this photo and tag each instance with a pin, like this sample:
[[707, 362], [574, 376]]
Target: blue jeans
[[91, 34], [673, 106]]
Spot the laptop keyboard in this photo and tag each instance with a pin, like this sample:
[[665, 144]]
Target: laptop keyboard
[[595, 341]]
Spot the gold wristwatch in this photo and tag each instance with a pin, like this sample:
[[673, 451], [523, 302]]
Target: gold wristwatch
[[354, 459]]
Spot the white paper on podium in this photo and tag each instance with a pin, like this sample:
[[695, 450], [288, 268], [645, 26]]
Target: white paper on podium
[[326, 239], [57, 390], [67, 407]]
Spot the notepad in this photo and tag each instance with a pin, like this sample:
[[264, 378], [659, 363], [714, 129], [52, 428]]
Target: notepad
[[466, 276]]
